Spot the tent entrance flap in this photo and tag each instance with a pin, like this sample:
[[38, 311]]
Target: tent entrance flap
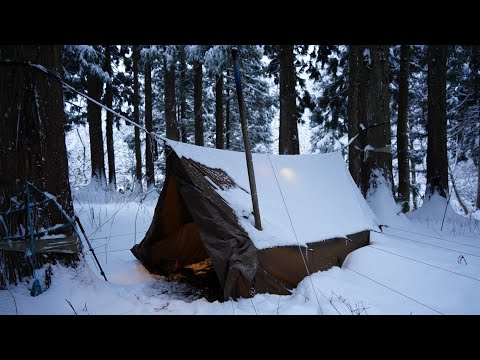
[[173, 240]]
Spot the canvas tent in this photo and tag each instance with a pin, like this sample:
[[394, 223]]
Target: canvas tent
[[312, 212]]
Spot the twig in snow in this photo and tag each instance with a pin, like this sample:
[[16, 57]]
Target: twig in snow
[[357, 309], [69, 303], [460, 258], [14, 301]]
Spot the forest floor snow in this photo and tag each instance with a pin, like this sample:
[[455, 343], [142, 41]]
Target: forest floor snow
[[412, 268]]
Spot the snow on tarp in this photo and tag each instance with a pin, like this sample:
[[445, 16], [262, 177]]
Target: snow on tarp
[[322, 199]]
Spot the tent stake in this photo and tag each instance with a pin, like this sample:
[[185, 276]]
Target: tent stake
[[246, 140]]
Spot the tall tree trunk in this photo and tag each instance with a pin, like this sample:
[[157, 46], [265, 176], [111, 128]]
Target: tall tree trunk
[[478, 179], [354, 156], [32, 146], [402, 131], [414, 174], [170, 103], [475, 68], [136, 118], [149, 149], [374, 109], [414, 184], [288, 140], [197, 103], [227, 116], [182, 93], [109, 121], [94, 116], [219, 112], [437, 163]]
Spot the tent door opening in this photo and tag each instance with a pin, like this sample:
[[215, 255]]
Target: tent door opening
[[177, 252]]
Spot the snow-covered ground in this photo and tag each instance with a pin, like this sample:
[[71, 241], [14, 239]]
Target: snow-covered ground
[[412, 268]]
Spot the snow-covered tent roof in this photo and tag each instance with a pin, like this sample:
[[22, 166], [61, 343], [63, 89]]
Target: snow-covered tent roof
[[320, 195], [205, 210]]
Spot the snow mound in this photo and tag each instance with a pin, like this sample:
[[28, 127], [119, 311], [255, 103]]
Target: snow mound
[[435, 211]]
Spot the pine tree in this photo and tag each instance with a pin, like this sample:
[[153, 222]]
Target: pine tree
[[463, 108], [170, 103], [219, 142], [402, 130], [328, 67], [374, 115], [258, 101], [149, 151], [288, 140], [437, 165], [32, 147], [197, 108], [182, 93], [195, 56], [94, 115], [227, 114], [136, 117], [417, 117], [109, 120], [354, 156]]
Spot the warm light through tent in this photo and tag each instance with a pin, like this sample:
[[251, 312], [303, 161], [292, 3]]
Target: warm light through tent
[[288, 174]]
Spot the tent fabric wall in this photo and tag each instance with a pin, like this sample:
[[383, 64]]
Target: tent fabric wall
[[192, 221]]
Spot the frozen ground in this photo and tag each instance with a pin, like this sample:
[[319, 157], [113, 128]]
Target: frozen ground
[[412, 268]]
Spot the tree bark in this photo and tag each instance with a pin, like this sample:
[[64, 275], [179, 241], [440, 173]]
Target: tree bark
[[32, 139], [227, 115], [437, 163], [197, 103], [354, 156], [170, 103], [109, 121], [149, 149], [32, 148], [136, 117], [374, 109], [94, 116], [219, 112], [402, 131], [288, 139]]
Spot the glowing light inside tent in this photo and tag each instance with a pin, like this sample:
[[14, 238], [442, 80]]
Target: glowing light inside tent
[[288, 174]]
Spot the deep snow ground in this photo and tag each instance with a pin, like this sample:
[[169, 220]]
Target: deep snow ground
[[413, 268]]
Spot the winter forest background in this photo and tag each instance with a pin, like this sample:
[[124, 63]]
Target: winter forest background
[[195, 84], [406, 119]]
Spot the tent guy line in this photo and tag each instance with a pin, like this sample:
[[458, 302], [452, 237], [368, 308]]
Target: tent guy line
[[422, 262], [437, 246], [395, 291], [430, 236]]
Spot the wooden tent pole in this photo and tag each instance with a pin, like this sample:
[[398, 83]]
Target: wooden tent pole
[[246, 140]]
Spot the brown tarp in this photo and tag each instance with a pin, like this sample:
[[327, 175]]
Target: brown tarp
[[193, 222], [188, 197]]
